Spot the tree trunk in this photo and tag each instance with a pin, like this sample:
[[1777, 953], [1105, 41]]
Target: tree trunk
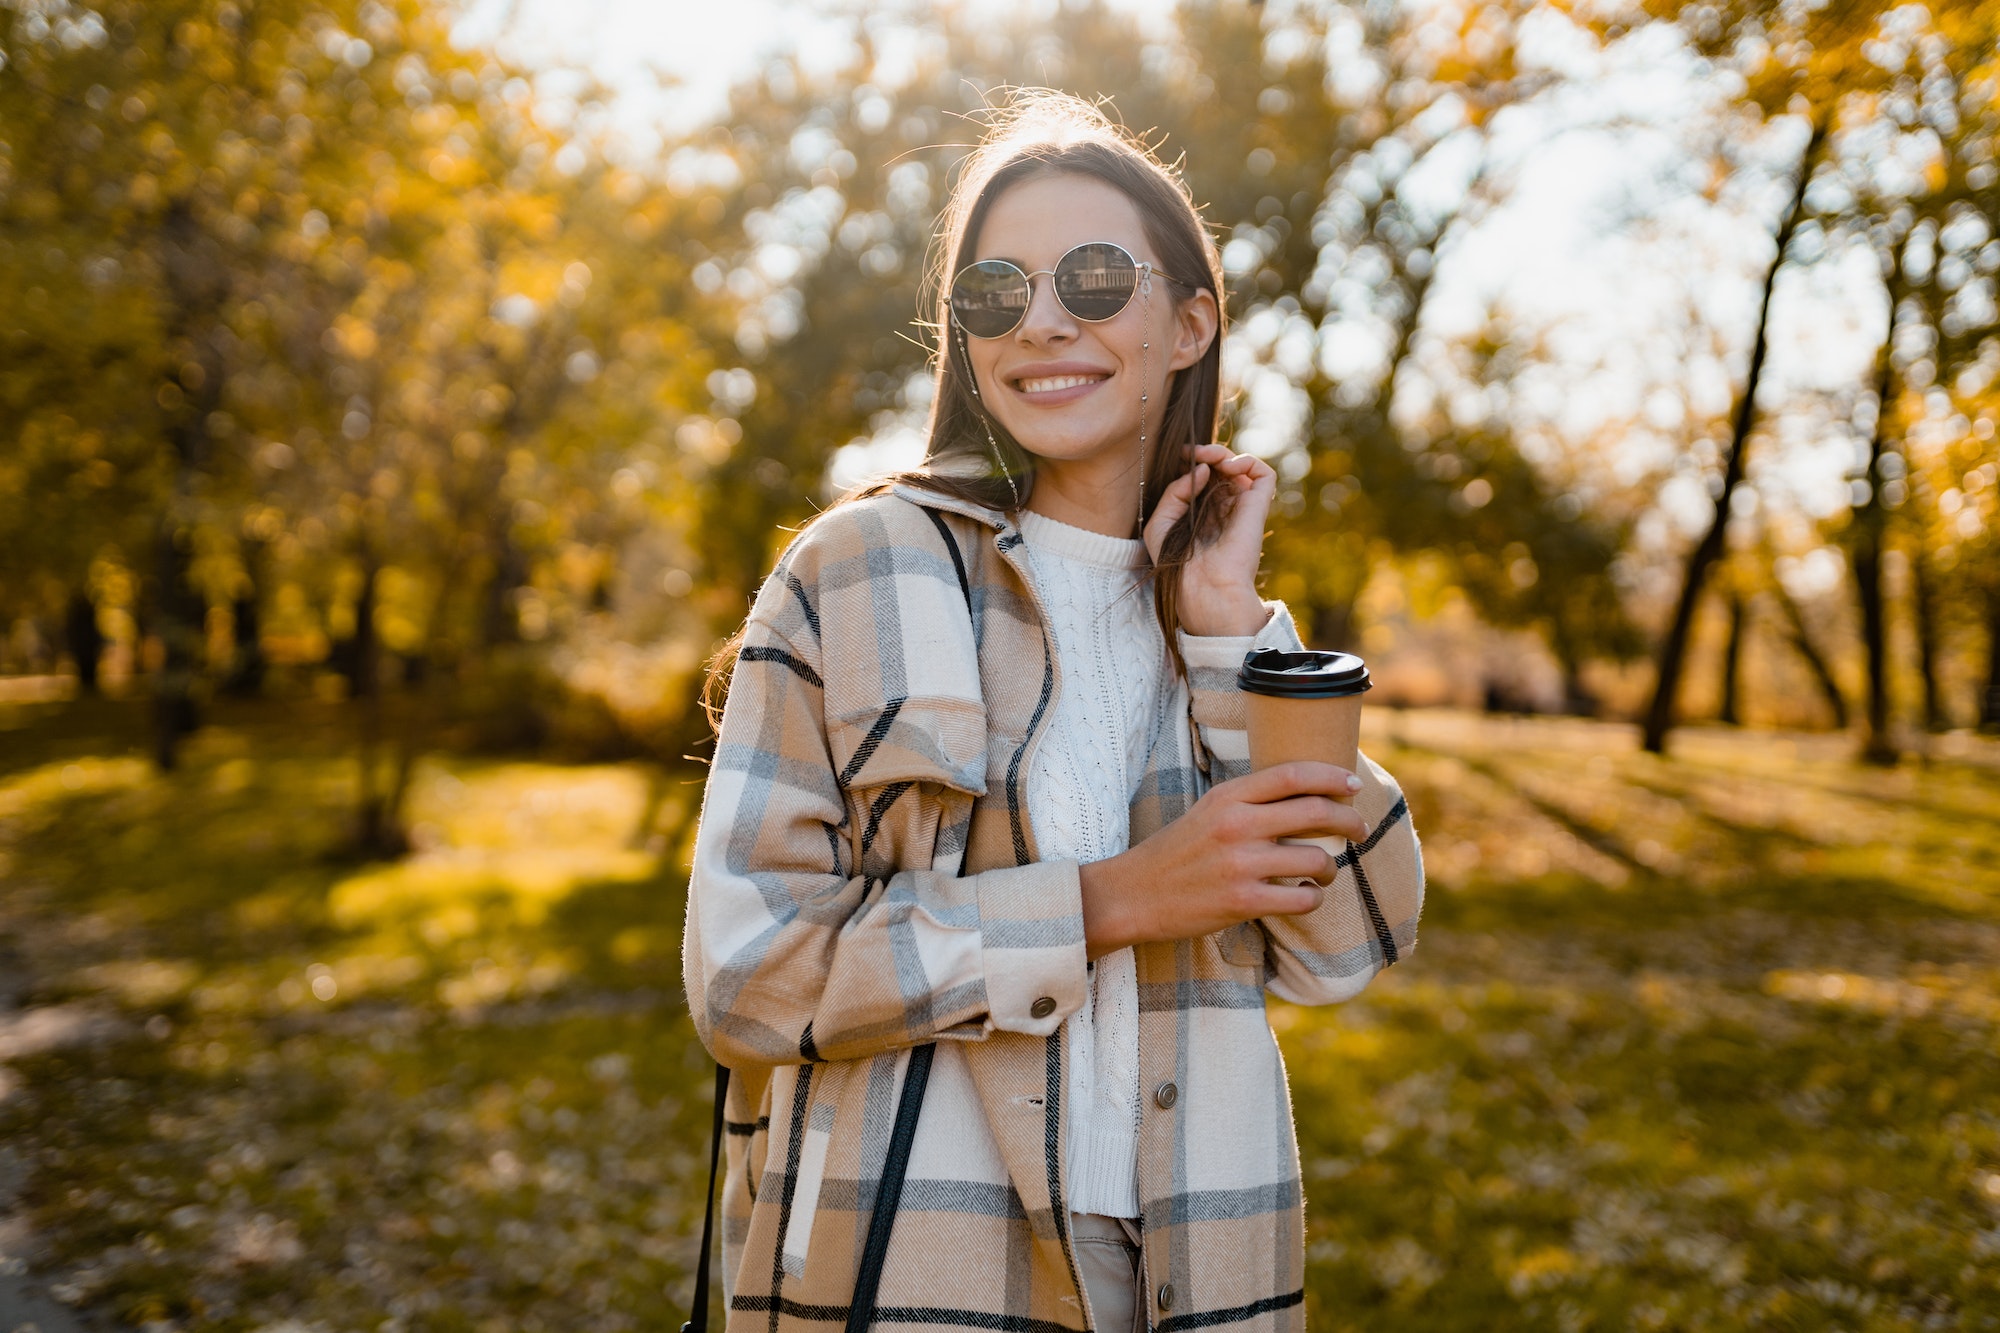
[[1802, 640], [197, 282], [1870, 529], [1989, 704], [1578, 701], [1876, 745], [1732, 663], [1331, 626], [1937, 717], [440, 659], [377, 831], [498, 621], [183, 636], [1673, 648], [247, 666], [84, 640], [413, 739]]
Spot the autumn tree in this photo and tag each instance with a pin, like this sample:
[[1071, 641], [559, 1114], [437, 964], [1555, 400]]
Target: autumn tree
[[1364, 158], [1921, 197], [316, 296], [166, 163], [508, 336], [1895, 103]]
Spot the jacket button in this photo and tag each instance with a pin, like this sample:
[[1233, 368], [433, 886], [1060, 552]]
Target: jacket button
[[1166, 1295], [1166, 1095], [1043, 1007]]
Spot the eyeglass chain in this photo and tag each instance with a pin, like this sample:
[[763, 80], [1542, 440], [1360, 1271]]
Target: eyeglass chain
[[1145, 382], [999, 460]]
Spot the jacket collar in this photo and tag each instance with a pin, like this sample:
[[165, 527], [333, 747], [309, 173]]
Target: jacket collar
[[996, 519]]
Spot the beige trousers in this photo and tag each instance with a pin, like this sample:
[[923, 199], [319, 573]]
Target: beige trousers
[[1107, 1252]]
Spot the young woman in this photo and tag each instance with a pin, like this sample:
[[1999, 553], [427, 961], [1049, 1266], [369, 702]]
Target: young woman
[[982, 784]]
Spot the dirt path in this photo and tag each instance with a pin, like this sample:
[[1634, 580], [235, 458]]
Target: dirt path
[[25, 1303]]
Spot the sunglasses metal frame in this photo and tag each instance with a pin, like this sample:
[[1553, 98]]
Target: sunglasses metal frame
[[1144, 269]]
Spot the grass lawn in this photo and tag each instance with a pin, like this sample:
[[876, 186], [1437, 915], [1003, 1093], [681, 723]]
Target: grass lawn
[[1705, 1042]]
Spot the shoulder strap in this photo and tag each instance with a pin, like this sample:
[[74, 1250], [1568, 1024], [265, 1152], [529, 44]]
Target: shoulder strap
[[698, 1317], [957, 560], [889, 1191]]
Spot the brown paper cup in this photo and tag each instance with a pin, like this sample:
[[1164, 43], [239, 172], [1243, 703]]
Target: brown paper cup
[[1305, 705], [1327, 731]]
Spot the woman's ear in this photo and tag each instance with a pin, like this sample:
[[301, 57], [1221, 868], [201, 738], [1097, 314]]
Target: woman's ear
[[1194, 329]]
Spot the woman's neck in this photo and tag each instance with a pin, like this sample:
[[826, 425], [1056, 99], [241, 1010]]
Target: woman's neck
[[1084, 497]]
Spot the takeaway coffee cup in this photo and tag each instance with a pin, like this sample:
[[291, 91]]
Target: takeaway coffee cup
[[1304, 705]]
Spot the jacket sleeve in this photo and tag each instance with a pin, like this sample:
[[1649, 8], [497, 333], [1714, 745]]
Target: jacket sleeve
[[818, 926], [1368, 919]]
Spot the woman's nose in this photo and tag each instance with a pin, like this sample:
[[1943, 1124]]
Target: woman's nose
[[1045, 316]]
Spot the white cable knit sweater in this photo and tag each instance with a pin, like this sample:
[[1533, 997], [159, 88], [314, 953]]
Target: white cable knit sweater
[[1079, 791]]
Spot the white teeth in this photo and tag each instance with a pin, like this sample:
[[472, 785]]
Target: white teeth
[[1055, 382]]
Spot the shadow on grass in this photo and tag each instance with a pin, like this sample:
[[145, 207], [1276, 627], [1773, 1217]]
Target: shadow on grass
[[531, 1165], [1664, 1152], [216, 878], [474, 1098], [1947, 789], [1556, 903], [35, 734], [1582, 830]]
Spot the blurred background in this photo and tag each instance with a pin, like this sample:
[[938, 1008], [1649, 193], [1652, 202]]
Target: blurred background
[[399, 401]]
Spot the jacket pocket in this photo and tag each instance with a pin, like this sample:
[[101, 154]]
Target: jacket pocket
[[1242, 945], [910, 824], [923, 739]]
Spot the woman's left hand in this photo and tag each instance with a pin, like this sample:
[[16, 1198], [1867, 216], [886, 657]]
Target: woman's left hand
[[1219, 582]]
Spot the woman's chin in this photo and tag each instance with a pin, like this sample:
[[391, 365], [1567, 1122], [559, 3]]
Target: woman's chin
[[1063, 449]]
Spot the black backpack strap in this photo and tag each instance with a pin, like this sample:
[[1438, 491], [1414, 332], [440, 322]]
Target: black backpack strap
[[889, 1192], [957, 559], [698, 1318]]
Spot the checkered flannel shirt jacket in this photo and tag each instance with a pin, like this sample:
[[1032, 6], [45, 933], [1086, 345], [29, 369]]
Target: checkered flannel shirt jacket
[[865, 880]]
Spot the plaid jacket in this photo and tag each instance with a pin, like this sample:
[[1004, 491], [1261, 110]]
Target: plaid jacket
[[865, 880]]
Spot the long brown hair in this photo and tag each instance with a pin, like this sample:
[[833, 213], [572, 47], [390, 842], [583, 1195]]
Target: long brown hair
[[1040, 132]]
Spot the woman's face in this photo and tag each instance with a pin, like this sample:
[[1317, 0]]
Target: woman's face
[[1068, 389]]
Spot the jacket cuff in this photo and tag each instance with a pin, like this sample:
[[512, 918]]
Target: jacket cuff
[[1212, 664], [1031, 941]]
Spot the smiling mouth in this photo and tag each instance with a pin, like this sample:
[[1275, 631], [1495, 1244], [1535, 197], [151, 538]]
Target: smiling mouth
[[1056, 383]]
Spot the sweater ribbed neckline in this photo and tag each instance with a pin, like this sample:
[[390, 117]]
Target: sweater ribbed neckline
[[1081, 544]]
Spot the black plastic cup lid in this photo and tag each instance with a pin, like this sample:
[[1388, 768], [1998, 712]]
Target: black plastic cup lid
[[1306, 675]]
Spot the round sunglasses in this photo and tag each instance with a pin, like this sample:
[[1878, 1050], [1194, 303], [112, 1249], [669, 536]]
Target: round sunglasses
[[1094, 281]]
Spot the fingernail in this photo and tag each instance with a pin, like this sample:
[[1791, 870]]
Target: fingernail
[[1353, 782]]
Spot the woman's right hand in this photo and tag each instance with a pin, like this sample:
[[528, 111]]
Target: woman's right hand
[[1213, 867]]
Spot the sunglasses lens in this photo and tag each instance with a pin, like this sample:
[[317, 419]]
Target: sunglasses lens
[[989, 298], [1095, 281]]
